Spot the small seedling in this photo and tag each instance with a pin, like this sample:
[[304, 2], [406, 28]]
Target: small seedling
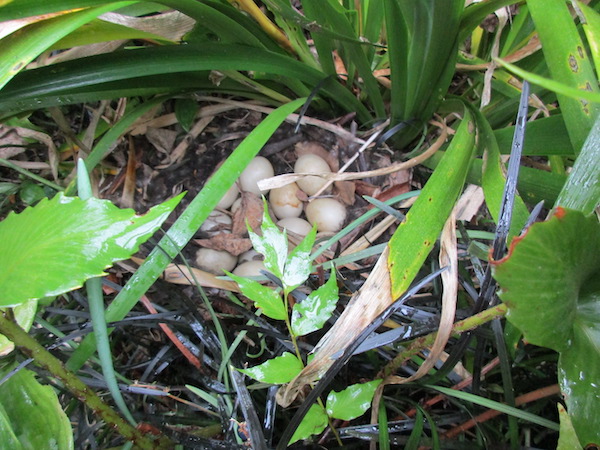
[[304, 317]]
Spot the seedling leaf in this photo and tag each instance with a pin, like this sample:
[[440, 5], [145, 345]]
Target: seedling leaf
[[314, 422], [298, 265], [55, 246], [272, 244], [278, 370], [312, 313], [551, 283], [352, 402], [263, 297]]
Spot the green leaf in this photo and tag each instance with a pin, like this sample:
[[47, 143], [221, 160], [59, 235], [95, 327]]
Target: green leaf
[[353, 401], [582, 189], [278, 370], [298, 265], [24, 314], [56, 245], [566, 57], [33, 414], [314, 422], [591, 27], [567, 439], [311, 313], [264, 297], [502, 407], [24, 45], [273, 244], [185, 111], [550, 281], [415, 237], [422, 40]]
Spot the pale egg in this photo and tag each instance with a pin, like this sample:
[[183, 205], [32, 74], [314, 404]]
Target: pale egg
[[311, 163], [258, 169], [284, 202], [215, 261], [328, 214]]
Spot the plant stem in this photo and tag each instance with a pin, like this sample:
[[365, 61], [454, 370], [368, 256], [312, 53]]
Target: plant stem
[[30, 347], [460, 327]]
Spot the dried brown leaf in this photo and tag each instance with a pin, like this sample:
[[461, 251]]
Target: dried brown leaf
[[228, 242], [250, 210]]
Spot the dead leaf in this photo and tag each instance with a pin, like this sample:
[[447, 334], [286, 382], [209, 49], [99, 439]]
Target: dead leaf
[[314, 148], [250, 210], [162, 139], [345, 191], [228, 242]]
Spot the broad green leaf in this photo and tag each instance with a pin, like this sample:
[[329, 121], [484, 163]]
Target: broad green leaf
[[34, 414], [273, 244], [187, 224], [56, 245], [352, 402], [263, 297], [24, 45], [550, 281], [567, 440], [24, 314], [298, 265], [314, 422], [582, 189], [311, 313], [569, 65], [278, 370], [415, 237]]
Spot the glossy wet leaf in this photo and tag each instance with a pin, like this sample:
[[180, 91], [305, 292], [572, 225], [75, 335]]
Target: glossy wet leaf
[[263, 297], [278, 370], [550, 282], [56, 245], [273, 244], [31, 416], [314, 422], [352, 402], [567, 440], [298, 264], [311, 313]]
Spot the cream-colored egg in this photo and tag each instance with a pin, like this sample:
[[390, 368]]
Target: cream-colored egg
[[250, 255], [258, 169], [215, 261], [284, 202], [249, 269], [295, 225], [229, 197], [311, 163], [328, 214], [216, 222]]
